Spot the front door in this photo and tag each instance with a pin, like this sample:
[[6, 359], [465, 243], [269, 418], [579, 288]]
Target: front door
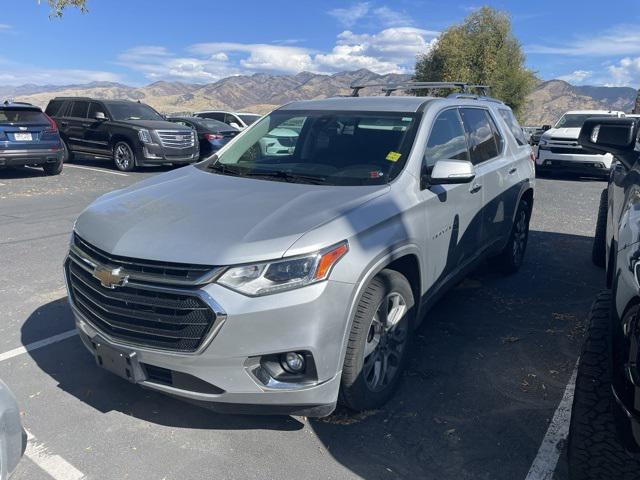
[[96, 133]]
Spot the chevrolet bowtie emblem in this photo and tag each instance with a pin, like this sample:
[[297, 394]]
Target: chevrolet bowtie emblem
[[110, 277]]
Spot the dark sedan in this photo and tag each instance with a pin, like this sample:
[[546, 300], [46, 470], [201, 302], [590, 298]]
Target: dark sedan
[[212, 134]]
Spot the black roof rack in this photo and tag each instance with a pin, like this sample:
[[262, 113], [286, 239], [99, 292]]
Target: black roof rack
[[465, 88]]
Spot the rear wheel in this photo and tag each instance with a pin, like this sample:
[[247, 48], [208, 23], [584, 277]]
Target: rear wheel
[[599, 248], [595, 451], [511, 258], [54, 168], [378, 342], [123, 157], [68, 154]]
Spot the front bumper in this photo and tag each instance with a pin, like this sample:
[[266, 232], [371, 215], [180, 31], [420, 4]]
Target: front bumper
[[17, 158], [154, 154], [224, 375], [578, 163]]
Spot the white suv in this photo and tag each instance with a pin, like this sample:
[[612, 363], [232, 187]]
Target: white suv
[[559, 149], [239, 120]]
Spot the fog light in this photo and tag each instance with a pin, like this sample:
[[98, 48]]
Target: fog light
[[293, 362]]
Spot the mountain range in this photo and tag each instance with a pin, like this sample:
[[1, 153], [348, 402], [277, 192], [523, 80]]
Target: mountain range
[[262, 92]]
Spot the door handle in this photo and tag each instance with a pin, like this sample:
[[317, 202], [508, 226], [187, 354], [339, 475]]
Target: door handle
[[476, 187], [513, 170]]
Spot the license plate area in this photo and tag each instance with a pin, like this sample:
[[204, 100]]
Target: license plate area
[[121, 363], [23, 137]]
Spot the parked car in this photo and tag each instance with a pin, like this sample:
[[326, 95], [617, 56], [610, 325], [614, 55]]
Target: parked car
[[131, 133], [604, 435], [268, 283], [559, 150], [29, 137], [239, 120], [12, 436], [534, 138], [212, 134]]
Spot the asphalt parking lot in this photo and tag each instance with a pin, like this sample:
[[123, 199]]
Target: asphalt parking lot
[[489, 367]]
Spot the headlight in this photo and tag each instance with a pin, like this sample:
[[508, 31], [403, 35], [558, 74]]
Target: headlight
[[272, 277], [145, 136]]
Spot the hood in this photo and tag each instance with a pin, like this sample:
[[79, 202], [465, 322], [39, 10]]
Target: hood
[[568, 133], [153, 124], [193, 216]]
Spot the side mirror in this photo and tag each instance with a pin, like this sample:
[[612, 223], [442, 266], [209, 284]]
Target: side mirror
[[100, 116], [235, 125], [546, 127], [448, 172], [617, 136]]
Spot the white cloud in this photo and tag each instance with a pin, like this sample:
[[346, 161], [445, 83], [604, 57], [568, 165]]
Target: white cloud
[[577, 77], [260, 57], [619, 40], [626, 73], [349, 16], [4, 27], [19, 75], [393, 18]]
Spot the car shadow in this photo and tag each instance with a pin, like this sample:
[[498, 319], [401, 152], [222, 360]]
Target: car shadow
[[488, 367], [10, 173], [99, 162], [75, 371]]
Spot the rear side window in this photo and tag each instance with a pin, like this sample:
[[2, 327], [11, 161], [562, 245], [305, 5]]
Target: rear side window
[[79, 109], [514, 126], [54, 107], [95, 108], [481, 138], [22, 116], [447, 139]]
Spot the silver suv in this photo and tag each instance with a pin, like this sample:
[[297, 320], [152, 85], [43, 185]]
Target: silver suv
[[270, 283]]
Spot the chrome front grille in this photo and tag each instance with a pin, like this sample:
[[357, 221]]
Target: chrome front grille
[[177, 138], [149, 309]]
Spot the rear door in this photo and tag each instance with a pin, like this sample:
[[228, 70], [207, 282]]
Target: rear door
[[451, 211], [74, 124], [96, 132]]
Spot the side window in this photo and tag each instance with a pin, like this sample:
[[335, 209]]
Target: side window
[[79, 109], [54, 107], [213, 116], [480, 134], [514, 126], [229, 119], [447, 139], [95, 108]]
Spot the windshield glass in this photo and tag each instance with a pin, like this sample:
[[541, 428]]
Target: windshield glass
[[249, 119], [214, 125], [575, 120], [22, 116], [324, 147], [133, 111]]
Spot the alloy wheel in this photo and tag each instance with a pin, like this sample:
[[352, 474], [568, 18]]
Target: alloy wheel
[[123, 156], [519, 236], [385, 343]]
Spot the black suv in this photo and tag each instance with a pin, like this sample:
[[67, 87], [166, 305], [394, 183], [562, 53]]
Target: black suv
[[131, 133], [604, 435], [29, 137]]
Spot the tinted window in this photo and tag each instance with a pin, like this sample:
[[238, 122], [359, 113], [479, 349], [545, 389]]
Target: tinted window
[[249, 119], [95, 108], [214, 116], [54, 107], [22, 116], [514, 127], [480, 134], [447, 139], [213, 125], [132, 111], [79, 109]]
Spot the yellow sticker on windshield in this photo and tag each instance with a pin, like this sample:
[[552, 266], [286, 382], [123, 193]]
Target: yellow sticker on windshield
[[394, 156]]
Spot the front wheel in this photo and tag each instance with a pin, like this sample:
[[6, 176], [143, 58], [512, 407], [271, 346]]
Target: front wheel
[[511, 258], [378, 342], [124, 157]]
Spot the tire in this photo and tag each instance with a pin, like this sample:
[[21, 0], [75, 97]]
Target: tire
[[124, 157], [511, 258], [594, 450], [53, 168], [68, 154], [376, 353], [599, 248]]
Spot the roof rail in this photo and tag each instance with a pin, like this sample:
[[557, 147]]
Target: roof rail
[[13, 102], [429, 86], [474, 97]]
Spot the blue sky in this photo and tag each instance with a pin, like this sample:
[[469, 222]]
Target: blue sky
[[138, 42]]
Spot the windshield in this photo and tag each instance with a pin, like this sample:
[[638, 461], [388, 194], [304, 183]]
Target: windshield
[[575, 120], [214, 125], [249, 119], [133, 111], [22, 116], [323, 147]]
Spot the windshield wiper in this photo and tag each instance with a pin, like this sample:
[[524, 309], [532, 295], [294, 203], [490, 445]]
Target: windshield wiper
[[289, 177], [225, 169]]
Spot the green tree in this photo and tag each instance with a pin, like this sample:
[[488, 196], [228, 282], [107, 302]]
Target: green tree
[[480, 50], [58, 6]]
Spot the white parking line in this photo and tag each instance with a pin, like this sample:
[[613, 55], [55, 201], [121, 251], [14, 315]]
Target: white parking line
[[36, 345], [544, 465], [54, 465], [102, 170]]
